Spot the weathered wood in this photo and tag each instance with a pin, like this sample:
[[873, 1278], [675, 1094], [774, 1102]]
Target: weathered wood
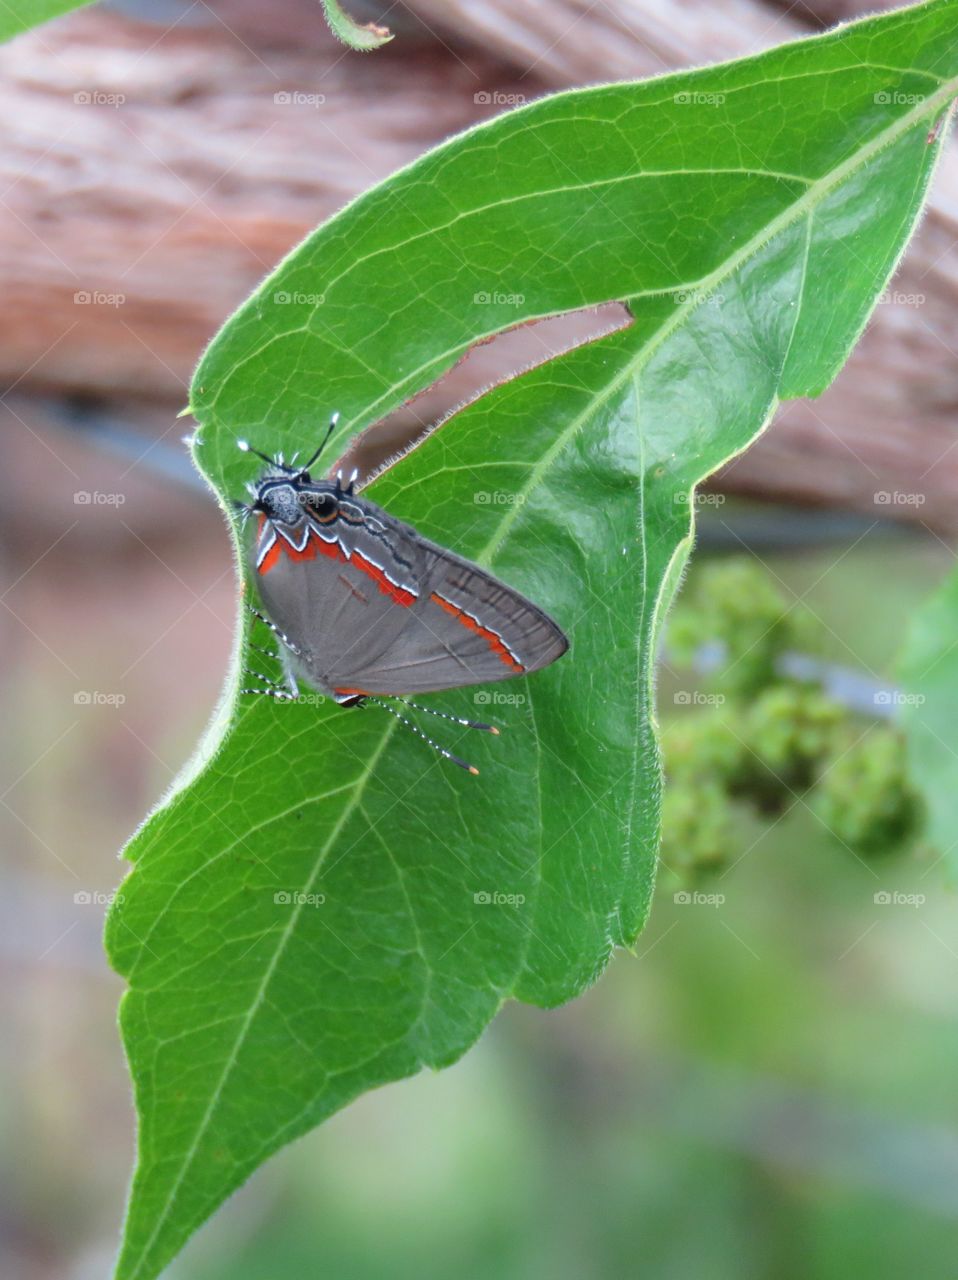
[[177, 180], [182, 180], [570, 42]]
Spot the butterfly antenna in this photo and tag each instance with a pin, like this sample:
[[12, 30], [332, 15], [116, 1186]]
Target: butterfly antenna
[[248, 448], [469, 768], [443, 715], [316, 456]]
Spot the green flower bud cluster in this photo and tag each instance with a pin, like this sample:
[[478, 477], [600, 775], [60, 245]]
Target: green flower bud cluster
[[791, 729], [864, 797], [766, 738], [698, 832], [737, 605]]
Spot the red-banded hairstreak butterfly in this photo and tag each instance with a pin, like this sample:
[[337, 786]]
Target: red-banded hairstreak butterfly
[[363, 605]]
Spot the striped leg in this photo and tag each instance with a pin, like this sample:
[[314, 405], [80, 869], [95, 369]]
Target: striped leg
[[275, 630], [470, 768], [281, 695], [267, 653], [272, 690], [443, 715]]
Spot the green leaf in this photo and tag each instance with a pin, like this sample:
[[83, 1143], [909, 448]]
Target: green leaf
[[358, 35], [21, 15], [749, 215], [928, 668]]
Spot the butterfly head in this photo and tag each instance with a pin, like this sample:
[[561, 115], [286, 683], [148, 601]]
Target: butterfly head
[[285, 494]]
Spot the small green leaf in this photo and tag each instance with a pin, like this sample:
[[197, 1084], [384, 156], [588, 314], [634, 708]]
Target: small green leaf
[[929, 712], [22, 15], [358, 35], [309, 914]]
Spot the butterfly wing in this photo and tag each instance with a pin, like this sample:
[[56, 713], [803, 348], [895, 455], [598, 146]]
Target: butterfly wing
[[464, 627], [373, 607], [336, 607]]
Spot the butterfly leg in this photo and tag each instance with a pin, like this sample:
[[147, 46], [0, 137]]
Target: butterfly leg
[[275, 630], [267, 653], [278, 688], [443, 715], [470, 768], [281, 695], [289, 673], [289, 692]]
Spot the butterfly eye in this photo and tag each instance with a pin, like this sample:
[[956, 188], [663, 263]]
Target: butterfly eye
[[324, 505]]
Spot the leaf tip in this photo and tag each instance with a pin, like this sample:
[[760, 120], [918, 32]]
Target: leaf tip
[[360, 36], [382, 35]]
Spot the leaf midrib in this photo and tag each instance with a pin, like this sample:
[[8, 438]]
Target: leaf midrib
[[808, 202], [258, 999]]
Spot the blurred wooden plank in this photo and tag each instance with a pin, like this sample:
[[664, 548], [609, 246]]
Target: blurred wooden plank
[[180, 196], [570, 42], [160, 173]]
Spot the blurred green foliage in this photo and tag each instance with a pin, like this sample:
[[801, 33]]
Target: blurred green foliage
[[761, 738], [738, 605], [865, 797]]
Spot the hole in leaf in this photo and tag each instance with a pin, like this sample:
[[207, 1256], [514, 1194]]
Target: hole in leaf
[[485, 365]]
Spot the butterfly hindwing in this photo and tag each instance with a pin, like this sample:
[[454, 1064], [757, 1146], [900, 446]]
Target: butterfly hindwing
[[373, 607]]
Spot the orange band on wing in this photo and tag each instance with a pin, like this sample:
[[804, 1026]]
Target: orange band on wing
[[316, 545], [398, 594], [494, 641], [272, 555]]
